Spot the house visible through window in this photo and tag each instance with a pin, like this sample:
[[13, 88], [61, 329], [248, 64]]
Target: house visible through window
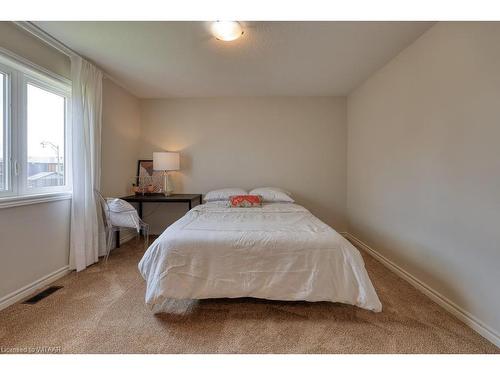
[[46, 114], [34, 118]]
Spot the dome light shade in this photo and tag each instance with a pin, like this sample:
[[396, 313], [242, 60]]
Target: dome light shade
[[227, 30]]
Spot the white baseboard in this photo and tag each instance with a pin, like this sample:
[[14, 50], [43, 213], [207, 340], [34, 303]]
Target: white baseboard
[[465, 316], [29, 289]]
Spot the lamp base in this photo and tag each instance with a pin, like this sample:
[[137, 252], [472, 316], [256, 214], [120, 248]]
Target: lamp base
[[168, 187]]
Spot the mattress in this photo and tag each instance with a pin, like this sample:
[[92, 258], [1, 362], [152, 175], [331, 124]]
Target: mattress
[[279, 251]]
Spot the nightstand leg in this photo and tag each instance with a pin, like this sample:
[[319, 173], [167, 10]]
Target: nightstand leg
[[140, 216]]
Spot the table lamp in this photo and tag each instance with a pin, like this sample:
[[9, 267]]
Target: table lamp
[[165, 162]]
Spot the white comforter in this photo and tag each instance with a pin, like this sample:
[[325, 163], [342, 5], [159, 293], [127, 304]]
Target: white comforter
[[280, 252]]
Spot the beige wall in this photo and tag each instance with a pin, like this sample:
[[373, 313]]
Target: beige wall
[[34, 239], [424, 164], [34, 242], [120, 139], [295, 143]]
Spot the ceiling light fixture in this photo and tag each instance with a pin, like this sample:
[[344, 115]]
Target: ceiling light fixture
[[227, 30]]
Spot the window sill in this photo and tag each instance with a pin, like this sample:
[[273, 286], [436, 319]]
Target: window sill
[[25, 200]]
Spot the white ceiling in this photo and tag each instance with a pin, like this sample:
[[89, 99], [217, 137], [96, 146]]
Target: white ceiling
[[182, 59]]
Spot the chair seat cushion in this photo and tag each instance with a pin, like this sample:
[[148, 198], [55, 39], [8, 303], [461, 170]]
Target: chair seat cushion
[[122, 214]]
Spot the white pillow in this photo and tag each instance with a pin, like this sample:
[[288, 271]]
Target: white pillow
[[122, 214], [272, 194], [223, 194]]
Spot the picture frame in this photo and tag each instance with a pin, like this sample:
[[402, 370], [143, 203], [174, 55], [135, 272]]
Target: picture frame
[[147, 180], [144, 168]]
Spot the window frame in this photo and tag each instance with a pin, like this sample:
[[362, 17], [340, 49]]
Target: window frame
[[10, 77], [21, 72]]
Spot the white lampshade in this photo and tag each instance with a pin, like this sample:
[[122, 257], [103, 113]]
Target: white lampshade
[[166, 161]]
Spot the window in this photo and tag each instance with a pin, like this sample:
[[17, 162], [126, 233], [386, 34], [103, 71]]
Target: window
[[34, 118], [46, 114]]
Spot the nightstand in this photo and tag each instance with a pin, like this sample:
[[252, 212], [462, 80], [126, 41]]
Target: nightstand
[[159, 198]]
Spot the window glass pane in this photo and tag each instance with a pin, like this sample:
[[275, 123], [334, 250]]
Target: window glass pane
[[3, 131], [45, 115]]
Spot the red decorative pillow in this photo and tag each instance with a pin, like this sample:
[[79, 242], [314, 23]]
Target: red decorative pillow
[[245, 200]]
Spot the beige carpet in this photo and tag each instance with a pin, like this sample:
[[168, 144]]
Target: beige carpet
[[102, 310]]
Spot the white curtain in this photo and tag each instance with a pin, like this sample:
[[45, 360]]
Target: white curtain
[[86, 162]]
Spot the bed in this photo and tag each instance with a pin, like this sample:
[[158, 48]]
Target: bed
[[279, 251]]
